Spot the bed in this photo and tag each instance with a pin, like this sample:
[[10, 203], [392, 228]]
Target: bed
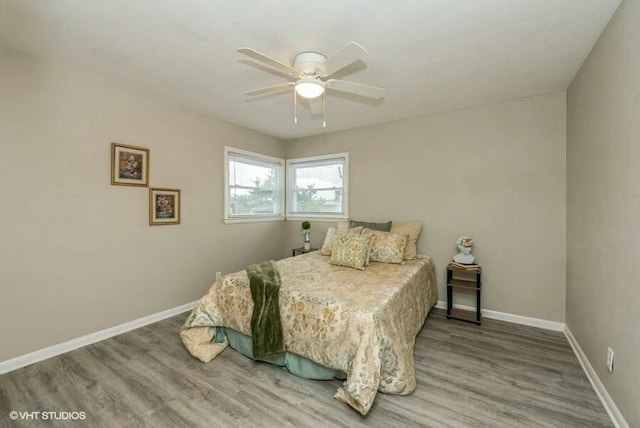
[[361, 323]]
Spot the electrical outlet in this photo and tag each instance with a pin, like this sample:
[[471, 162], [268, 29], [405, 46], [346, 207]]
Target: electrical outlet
[[218, 276], [610, 359]]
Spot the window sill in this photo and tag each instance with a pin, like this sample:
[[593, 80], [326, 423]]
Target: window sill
[[317, 217], [252, 220]]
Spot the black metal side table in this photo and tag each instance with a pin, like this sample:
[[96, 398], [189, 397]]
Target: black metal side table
[[467, 279]]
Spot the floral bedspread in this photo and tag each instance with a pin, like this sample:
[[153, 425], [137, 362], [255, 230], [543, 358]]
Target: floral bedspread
[[363, 323]]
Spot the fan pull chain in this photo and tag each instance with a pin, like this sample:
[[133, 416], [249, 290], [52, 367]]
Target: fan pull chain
[[324, 109], [295, 107]]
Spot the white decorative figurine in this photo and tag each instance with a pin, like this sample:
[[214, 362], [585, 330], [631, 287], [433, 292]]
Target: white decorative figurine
[[464, 244]]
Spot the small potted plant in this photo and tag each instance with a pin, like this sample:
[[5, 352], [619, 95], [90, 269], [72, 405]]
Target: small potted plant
[[306, 230]]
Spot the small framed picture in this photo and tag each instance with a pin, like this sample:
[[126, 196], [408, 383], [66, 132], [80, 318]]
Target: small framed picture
[[164, 206], [129, 165]]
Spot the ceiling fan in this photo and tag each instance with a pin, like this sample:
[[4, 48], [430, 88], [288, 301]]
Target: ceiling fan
[[310, 74]]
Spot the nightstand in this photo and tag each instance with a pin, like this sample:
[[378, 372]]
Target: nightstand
[[469, 279], [301, 250]]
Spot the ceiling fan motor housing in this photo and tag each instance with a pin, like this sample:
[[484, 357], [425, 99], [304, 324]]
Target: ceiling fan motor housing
[[306, 62]]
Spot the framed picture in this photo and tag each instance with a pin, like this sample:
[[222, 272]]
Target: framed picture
[[164, 206], [129, 165]]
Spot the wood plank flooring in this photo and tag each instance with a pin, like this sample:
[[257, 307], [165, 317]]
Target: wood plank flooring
[[495, 375]]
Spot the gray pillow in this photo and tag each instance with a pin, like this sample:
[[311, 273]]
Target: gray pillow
[[383, 227]]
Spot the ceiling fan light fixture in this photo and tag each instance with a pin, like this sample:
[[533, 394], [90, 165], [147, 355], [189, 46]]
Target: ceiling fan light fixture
[[309, 87]]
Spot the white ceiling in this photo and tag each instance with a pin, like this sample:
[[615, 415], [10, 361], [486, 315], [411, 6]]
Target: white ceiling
[[430, 55]]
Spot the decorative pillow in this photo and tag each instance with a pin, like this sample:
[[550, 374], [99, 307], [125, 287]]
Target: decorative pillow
[[330, 237], [350, 250], [413, 231], [387, 247], [384, 227]]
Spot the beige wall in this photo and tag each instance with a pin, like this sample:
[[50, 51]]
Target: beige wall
[[496, 173], [603, 207], [77, 253]]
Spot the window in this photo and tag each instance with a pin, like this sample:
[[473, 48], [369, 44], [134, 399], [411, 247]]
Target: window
[[253, 186], [317, 186]]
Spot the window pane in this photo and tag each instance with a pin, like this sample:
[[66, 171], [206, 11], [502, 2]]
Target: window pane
[[317, 186], [253, 202], [319, 177], [254, 185], [312, 201], [246, 174]]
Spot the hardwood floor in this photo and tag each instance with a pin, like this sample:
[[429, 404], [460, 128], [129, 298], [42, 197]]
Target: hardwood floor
[[494, 375]]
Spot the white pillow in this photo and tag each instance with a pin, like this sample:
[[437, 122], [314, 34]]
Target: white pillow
[[413, 231]]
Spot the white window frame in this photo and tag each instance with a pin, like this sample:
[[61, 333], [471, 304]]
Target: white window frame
[[280, 179], [291, 163]]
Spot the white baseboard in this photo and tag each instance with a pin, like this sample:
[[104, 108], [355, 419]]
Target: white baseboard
[[61, 348], [503, 316], [611, 408]]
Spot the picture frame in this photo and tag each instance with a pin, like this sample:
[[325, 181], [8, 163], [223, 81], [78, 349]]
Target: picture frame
[[129, 165], [164, 206]]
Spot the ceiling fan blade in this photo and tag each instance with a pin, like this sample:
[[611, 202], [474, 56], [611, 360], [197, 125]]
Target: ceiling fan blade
[[348, 54], [273, 63], [356, 88], [270, 89], [315, 104]]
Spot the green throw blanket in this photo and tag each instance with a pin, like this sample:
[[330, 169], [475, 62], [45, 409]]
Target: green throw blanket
[[266, 328]]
